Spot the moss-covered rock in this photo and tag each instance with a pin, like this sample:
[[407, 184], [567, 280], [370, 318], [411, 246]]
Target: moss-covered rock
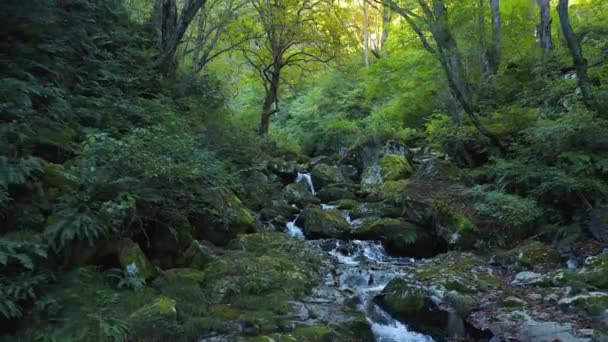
[[299, 194], [530, 255], [398, 236], [595, 271], [319, 223], [225, 217], [198, 255], [336, 192], [394, 167], [375, 209], [592, 303], [437, 170], [323, 175], [133, 259], [161, 308], [454, 226], [536, 252], [399, 297], [389, 191], [184, 274]]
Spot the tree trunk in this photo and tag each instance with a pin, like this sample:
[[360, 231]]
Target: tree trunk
[[495, 54], [269, 106], [386, 19], [173, 30], [365, 34], [544, 27], [484, 55], [452, 64], [580, 63]]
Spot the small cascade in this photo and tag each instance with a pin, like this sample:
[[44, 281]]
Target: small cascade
[[305, 176], [293, 230], [366, 268], [387, 329]]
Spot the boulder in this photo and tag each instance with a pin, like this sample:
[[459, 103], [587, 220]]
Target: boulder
[[318, 223], [299, 194], [527, 278], [371, 209], [409, 303], [335, 192], [371, 175], [436, 169], [161, 309], [349, 172], [198, 255], [394, 167], [133, 259], [225, 217], [280, 211], [285, 170], [323, 175], [399, 237]]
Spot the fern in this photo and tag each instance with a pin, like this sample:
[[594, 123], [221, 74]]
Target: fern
[[15, 290], [19, 171], [70, 225], [21, 248]]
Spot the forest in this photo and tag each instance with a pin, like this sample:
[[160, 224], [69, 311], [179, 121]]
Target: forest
[[304, 170]]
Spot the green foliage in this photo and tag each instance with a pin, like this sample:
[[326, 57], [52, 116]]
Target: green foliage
[[504, 217]]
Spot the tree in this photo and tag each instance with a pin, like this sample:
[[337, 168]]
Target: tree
[[213, 23], [172, 30], [292, 34], [580, 63], [435, 17], [544, 27]]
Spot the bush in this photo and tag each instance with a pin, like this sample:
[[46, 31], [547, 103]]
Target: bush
[[503, 218]]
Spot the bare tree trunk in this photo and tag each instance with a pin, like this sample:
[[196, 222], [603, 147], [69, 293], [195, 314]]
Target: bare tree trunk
[[484, 54], [495, 54], [580, 63], [386, 19], [544, 27], [269, 106], [365, 33], [172, 31]]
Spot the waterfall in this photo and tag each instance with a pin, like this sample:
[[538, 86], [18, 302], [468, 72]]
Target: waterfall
[[293, 230], [306, 176]]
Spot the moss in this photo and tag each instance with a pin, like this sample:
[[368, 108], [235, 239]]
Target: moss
[[400, 297], [160, 308], [181, 274], [130, 254], [347, 204], [535, 253], [319, 223], [595, 272], [224, 311], [226, 218], [394, 167]]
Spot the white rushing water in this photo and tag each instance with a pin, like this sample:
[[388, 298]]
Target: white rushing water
[[366, 268], [304, 176], [293, 230]]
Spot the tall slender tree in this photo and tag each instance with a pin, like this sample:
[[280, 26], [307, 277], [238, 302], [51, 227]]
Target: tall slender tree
[[580, 63], [544, 27]]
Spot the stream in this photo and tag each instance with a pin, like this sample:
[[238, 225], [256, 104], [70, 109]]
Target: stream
[[363, 268]]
